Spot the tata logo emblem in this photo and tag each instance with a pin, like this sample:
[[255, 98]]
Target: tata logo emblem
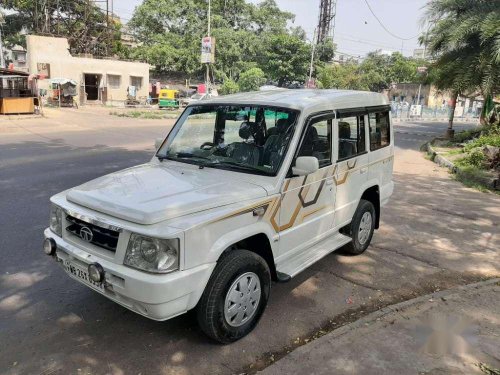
[[86, 234]]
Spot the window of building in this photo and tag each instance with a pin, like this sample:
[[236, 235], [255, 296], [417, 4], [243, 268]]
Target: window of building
[[114, 81], [379, 130], [136, 81], [318, 141], [351, 136]]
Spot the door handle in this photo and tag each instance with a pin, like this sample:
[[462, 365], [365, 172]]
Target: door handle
[[363, 170], [329, 181]]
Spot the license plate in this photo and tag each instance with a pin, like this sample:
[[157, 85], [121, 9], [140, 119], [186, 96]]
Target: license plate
[[81, 274]]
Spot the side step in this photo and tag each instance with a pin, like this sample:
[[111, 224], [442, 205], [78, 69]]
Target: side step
[[304, 258]]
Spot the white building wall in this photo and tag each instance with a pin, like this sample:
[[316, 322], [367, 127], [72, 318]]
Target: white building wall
[[55, 51]]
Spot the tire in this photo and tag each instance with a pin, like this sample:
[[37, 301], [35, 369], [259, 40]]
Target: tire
[[233, 270], [362, 227]]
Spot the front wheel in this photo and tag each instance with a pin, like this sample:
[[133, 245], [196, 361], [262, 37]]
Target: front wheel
[[235, 297], [362, 227]]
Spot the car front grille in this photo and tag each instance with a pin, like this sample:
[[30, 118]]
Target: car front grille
[[98, 236]]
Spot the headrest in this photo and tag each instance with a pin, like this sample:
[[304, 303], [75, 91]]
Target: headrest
[[344, 130], [245, 130]]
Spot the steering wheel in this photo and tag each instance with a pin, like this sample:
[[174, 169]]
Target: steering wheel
[[207, 146]]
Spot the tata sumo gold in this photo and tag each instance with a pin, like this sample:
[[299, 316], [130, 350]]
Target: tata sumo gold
[[245, 190]]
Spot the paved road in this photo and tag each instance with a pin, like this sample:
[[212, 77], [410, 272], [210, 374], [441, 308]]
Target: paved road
[[435, 234]]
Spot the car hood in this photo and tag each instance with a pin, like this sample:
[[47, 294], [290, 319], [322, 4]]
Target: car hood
[[151, 193]]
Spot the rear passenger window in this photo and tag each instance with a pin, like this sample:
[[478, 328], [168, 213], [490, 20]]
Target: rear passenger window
[[351, 136], [379, 130]]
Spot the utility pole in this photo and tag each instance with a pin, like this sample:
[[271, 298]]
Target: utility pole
[[207, 83], [312, 57], [326, 21], [2, 61]]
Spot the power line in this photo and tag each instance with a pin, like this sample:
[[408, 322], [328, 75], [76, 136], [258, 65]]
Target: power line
[[385, 28]]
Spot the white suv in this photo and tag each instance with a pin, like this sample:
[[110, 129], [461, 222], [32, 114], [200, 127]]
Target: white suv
[[245, 189]]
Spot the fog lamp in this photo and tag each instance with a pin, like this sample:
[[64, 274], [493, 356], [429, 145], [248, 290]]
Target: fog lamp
[[96, 272], [49, 246]]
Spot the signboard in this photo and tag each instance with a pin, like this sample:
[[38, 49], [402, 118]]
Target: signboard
[[422, 69], [43, 70], [207, 50], [415, 110]]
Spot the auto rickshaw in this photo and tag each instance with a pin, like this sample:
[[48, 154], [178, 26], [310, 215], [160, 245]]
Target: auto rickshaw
[[168, 98]]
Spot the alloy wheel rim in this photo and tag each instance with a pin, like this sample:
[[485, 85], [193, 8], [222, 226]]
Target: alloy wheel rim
[[365, 228], [242, 299]]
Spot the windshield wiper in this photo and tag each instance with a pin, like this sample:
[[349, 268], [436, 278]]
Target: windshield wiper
[[235, 165], [181, 155]]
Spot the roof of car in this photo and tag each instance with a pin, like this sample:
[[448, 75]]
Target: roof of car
[[304, 99]]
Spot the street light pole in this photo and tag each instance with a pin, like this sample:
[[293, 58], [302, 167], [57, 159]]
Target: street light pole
[[312, 58], [207, 83], [2, 61]]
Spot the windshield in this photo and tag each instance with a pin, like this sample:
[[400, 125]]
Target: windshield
[[251, 139]]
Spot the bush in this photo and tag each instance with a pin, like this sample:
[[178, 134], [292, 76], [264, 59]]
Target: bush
[[252, 79], [475, 158], [467, 135], [229, 87], [485, 140]]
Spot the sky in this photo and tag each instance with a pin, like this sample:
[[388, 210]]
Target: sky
[[357, 32]]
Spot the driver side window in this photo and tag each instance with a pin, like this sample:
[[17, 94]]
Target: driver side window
[[317, 141]]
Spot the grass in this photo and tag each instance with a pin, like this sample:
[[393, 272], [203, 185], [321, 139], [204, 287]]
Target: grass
[[465, 151]]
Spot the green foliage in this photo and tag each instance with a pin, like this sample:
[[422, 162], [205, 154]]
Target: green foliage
[[466, 135], [285, 58], [170, 33], [83, 23], [485, 140], [252, 79], [376, 73], [229, 87], [474, 157], [465, 41]]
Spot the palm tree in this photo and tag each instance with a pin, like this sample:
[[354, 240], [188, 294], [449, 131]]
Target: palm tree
[[464, 40]]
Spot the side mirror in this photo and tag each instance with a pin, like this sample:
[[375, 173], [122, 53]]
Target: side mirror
[[158, 142], [305, 165]]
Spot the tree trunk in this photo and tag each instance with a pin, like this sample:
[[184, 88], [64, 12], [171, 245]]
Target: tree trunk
[[450, 132]]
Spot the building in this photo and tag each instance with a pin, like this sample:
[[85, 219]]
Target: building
[[420, 53], [100, 81], [17, 57]]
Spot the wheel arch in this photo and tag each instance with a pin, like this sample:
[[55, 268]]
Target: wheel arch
[[372, 194]]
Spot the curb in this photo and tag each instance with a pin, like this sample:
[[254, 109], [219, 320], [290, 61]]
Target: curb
[[405, 304], [491, 183], [377, 315]]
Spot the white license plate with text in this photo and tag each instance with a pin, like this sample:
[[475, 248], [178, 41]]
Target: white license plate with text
[[81, 274]]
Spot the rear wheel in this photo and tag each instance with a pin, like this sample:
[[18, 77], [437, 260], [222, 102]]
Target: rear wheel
[[235, 297], [362, 227]]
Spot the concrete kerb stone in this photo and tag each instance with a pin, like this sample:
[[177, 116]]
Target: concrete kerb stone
[[379, 314]]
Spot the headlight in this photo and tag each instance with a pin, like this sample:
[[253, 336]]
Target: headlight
[[152, 254], [56, 220]]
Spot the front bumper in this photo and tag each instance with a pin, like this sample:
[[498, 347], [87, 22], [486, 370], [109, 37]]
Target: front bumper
[[155, 296]]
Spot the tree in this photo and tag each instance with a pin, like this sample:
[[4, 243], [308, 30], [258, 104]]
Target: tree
[[252, 79], [175, 28], [464, 41], [229, 87], [345, 77], [84, 24], [285, 59]]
